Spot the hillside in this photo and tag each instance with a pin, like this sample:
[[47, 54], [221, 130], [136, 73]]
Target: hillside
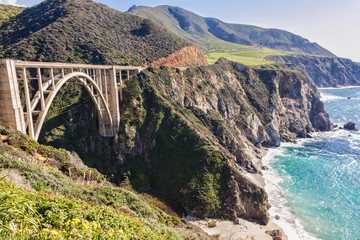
[[202, 31], [8, 12], [255, 46], [85, 31], [48, 193]]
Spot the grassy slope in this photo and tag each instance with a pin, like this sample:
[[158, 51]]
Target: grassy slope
[[85, 31], [247, 55], [49, 204]]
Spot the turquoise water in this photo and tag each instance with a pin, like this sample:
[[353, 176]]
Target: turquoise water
[[314, 185]]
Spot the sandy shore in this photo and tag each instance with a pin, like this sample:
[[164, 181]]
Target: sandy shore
[[245, 230]]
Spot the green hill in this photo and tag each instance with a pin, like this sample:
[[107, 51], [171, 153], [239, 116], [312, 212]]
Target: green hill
[[85, 31], [8, 12], [201, 30], [47, 193]]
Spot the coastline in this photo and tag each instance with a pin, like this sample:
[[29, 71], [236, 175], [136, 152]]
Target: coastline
[[228, 230], [288, 222]]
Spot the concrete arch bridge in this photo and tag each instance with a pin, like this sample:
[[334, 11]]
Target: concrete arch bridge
[[102, 82]]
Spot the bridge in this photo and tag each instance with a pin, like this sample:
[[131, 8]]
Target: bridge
[[27, 90]]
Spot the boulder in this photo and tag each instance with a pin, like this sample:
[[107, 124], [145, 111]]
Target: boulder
[[275, 234], [351, 126]]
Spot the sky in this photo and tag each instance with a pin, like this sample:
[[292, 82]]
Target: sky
[[334, 24]]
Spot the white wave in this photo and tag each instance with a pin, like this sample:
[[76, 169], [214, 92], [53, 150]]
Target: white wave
[[326, 97], [335, 88], [277, 198]]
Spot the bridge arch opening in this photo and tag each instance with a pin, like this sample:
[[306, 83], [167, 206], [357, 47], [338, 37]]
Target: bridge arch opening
[[103, 111]]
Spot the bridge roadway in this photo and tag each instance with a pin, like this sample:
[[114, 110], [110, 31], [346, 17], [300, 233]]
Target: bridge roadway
[[27, 90]]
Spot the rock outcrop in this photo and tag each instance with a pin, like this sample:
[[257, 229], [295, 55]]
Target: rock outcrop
[[325, 71], [189, 56], [350, 126]]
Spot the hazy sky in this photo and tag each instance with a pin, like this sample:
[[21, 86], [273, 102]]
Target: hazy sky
[[334, 24]]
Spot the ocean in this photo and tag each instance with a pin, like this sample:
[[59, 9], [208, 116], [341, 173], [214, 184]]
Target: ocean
[[314, 185]]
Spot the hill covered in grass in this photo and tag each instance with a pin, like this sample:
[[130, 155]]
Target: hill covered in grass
[[47, 193], [85, 31], [202, 30]]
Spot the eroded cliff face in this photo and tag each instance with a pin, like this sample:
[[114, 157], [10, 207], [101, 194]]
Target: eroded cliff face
[[189, 56], [195, 137], [235, 111], [326, 71]]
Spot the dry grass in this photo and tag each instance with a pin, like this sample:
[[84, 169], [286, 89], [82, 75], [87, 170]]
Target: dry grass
[[15, 177], [159, 204]]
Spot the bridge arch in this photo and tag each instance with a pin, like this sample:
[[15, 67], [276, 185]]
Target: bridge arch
[[102, 82], [97, 98]]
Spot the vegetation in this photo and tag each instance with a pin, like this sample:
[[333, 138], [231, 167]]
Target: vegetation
[[201, 31], [250, 56], [8, 12], [37, 206], [36, 215], [224, 46], [74, 31]]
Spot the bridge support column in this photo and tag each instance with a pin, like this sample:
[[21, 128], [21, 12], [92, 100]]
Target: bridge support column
[[114, 100], [10, 104]]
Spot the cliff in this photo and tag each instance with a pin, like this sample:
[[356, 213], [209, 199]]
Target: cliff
[[325, 71], [194, 137], [189, 56]]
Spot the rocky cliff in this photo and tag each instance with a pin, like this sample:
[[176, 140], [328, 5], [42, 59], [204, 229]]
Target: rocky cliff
[[189, 56], [194, 137], [326, 71]]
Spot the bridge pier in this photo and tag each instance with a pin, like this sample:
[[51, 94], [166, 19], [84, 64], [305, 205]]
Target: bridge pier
[[114, 99], [11, 111]]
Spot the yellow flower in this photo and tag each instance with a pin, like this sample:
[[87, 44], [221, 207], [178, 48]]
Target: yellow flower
[[111, 233]]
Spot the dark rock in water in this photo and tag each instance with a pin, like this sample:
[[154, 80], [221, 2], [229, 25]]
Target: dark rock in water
[[277, 217], [275, 234], [351, 126], [265, 168]]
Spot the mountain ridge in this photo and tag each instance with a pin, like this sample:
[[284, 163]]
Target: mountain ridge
[[194, 27]]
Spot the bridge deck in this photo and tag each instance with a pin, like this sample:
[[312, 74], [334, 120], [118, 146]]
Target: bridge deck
[[27, 64]]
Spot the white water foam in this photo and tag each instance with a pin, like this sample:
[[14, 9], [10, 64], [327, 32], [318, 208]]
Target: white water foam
[[336, 88], [325, 97], [279, 204]]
